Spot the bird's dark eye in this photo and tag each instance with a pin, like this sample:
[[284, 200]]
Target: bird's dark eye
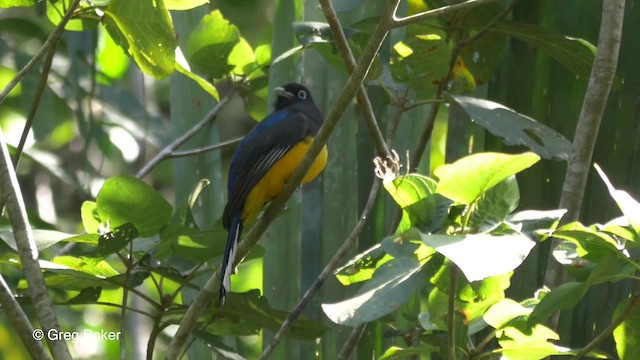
[[302, 94]]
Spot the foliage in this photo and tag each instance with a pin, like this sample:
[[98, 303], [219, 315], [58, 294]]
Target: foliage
[[459, 238]]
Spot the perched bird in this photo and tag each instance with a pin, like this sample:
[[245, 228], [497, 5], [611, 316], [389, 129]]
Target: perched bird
[[265, 160]]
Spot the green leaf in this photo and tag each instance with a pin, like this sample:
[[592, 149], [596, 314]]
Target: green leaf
[[249, 313], [362, 266], [125, 199], [483, 255], [16, 3], [525, 343], [575, 54], [515, 128], [56, 10], [502, 312], [204, 84], [627, 334], [183, 4], [211, 43], [241, 55], [143, 28], [467, 179], [113, 241], [530, 222], [395, 353], [86, 296], [493, 206], [192, 244], [390, 287], [565, 296], [90, 217], [217, 345], [629, 206], [112, 61], [415, 194], [421, 62], [43, 238], [590, 243]]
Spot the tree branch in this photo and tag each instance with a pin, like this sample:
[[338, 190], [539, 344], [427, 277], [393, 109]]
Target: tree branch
[[28, 251], [341, 42], [326, 272], [205, 149], [633, 304], [352, 341], [20, 322], [168, 150], [602, 75], [350, 88], [398, 22], [41, 53]]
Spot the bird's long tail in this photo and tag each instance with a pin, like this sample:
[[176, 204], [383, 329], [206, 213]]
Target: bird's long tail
[[235, 230]]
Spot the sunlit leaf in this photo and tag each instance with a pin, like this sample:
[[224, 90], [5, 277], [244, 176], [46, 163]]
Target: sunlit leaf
[[125, 199], [211, 43], [43, 238], [389, 288], [468, 178], [184, 4], [629, 206], [627, 334], [143, 28], [482, 255], [515, 128]]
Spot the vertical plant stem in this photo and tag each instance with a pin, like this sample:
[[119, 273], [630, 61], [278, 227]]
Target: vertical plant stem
[[20, 322], [28, 252], [602, 75], [451, 312], [351, 342]]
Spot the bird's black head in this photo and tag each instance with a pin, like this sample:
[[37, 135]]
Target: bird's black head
[[290, 94]]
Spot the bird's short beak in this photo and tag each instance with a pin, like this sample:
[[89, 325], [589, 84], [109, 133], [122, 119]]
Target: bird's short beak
[[280, 91]]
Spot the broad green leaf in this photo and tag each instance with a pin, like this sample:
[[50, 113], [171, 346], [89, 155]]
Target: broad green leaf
[[183, 4], [6, 75], [629, 206], [627, 334], [421, 62], [86, 296], [143, 28], [468, 178], [415, 194], [211, 43], [113, 241], [362, 266], [204, 84], [90, 217], [16, 3], [590, 243], [43, 238], [529, 222], [217, 345], [483, 255], [395, 353], [192, 244], [241, 55], [565, 296], [390, 287], [528, 343], [111, 60], [125, 199], [515, 128], [56, 10], [76, 273], [575, 54], [249, 313], [502, 312], [493, 206]]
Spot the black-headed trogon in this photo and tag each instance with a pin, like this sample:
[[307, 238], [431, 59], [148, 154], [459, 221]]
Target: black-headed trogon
[[263, 162]]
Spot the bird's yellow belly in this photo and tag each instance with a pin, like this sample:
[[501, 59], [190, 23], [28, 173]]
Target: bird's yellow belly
[[275, 179]]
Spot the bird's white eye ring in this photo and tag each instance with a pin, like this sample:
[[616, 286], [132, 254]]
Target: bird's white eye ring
[[302, 94]]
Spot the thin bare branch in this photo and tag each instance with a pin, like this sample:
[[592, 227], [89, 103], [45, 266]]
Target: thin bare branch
[[167, 151], [51, 40], [352, 341], [326, 272], [20, 322], [398, 22], [205, 149], [28, 252], [342, 44]]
